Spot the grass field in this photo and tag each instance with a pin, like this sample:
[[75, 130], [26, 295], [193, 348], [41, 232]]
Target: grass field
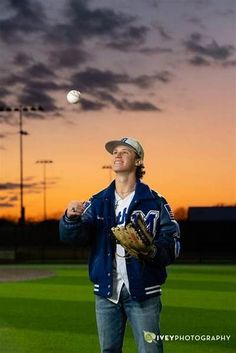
[[57, 314]]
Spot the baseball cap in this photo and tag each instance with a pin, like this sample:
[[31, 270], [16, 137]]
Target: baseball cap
[[126, 141]]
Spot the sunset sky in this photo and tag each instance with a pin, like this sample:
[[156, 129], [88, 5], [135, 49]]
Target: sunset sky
[[163, 72]]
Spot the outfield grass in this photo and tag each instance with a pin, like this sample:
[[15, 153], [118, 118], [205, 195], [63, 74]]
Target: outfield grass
[[57, 314]]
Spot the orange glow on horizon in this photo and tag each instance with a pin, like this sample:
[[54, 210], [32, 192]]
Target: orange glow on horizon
[[187, 171]]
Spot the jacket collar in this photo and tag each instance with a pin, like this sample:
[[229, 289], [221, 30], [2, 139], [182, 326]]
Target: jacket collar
[[142, 191]]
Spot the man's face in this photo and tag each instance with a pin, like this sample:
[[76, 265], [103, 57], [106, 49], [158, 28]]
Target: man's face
[[123, 159]]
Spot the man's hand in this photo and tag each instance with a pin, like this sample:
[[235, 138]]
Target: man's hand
[[75, 209]]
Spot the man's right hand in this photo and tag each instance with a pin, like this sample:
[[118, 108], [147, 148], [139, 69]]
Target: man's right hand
[[74, 209]]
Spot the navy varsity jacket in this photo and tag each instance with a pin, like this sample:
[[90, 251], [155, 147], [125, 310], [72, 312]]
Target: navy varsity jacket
[[94, 228]]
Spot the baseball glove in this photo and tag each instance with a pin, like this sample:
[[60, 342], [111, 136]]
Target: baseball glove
[[135, 238]]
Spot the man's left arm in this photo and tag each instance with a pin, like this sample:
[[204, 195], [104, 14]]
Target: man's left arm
[[167, 240]]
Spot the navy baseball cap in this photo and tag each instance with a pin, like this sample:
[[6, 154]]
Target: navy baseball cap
[[128, 142]]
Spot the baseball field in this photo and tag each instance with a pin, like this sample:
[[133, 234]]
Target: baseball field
[[56, 313]]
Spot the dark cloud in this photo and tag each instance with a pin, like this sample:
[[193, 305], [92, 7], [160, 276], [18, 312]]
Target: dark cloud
[[35, 81], [124, 104], [4, 92], [195, 20], [33, 187], [104, 96], [154, 50], [146, 81], [73, 40], [117, 30], [68, 57], [21, 59], [131, 38], [30, 77], [89, 105], [29, 187], [164, 76], [3, 198], [13, 198], [35, 96], [199, 61], [96, 22], [102, 84], [6, 204], [163, 33], [39, 71], [92, 79], [42, 86], [28, 17], [61, 34], [212, 50], [7, 201], [65, 41], [39, 81], [12, 79], [83, 22], [9, 186]]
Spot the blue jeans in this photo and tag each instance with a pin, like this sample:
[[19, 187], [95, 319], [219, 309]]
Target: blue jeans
[[111, 322]]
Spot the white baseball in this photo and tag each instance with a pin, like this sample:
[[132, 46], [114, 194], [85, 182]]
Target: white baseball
[[73, 96]]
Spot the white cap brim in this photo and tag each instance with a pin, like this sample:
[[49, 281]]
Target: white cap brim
[[111, 145]]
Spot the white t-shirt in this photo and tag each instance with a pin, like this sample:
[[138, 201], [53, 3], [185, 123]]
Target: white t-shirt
[[119, 264]]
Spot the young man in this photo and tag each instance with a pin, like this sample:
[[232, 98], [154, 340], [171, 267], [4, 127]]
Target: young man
[[125, 287]]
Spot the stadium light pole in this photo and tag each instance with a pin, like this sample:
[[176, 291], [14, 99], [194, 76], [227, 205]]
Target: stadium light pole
[[44, 162], [21, 109], [110, 171]]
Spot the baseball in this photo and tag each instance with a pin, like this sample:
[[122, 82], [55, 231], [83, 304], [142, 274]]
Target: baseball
[[73, 96]]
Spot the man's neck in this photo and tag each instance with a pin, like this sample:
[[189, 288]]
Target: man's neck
[[125, 184]]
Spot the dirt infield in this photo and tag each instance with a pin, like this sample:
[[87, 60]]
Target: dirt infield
[[23, 274]]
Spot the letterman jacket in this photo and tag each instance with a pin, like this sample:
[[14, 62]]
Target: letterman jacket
[[94, 228]]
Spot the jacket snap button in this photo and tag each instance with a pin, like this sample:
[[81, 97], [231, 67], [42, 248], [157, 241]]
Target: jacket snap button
[[108, 274]]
